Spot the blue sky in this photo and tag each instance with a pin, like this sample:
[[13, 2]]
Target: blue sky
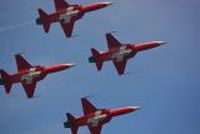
[[163, 81]]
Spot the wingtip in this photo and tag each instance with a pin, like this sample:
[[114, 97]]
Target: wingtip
[[21, 53], [112, 32]]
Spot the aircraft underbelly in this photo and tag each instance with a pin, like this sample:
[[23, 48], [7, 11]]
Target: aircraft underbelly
[[29, 77], [68, 15], [95, 120], [121, 54]]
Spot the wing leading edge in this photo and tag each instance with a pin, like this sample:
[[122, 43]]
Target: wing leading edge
[[87, 106], [112, 41], [68, 28], [61, 4], [21, 62], [29, 89], [120, 66]]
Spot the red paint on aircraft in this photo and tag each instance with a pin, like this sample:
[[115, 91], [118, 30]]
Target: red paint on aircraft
[[67, 15], [119, 53], [28, 75], [95, 118]]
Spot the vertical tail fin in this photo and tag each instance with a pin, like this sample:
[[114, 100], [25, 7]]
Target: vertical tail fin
[[72, 121], [97, 58], [43, 20], [6, 81]]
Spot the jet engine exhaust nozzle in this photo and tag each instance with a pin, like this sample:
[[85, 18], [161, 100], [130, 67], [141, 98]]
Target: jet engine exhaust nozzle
[[66, 124], [91, 59], [38, 21], [1, 81]]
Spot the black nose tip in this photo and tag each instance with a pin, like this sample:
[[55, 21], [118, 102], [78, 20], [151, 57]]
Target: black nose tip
[[38, 21]]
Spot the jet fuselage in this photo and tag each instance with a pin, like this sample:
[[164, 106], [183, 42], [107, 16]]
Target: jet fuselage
[[101, 117], [72, 13], [36, 73], [126, 51]]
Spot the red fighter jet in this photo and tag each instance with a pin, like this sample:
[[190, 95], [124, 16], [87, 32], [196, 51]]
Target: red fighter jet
[[28, 75], [95, 118], [67, 14], [119, 53]]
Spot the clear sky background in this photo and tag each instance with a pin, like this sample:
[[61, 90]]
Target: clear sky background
[[164, 81]]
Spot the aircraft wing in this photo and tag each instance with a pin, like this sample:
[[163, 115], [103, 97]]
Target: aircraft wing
[[87, 106], [95, 130], [120, 66], [61, 4], [29, 89], [112, 41], [68, 28], [21, 63], [98, 59]]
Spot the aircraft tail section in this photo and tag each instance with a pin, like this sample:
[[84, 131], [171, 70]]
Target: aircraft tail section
[[71, 123], [96, 57], [5, 80], [1, 81], [43, 20]]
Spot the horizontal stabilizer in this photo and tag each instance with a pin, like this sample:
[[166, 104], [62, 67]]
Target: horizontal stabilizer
[[70, 117], [97, 58], [72, 121], [43, 20], [5, 78]]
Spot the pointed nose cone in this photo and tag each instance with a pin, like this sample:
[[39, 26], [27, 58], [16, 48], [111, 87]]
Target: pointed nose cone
[[148, 45], [58, 67], [161, 42], [134, 108], [63, 66], [95, 6], [108, 3], [69, 65], [124, 110]]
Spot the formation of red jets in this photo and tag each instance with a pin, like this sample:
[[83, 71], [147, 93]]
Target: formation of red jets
[[28, 75]]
